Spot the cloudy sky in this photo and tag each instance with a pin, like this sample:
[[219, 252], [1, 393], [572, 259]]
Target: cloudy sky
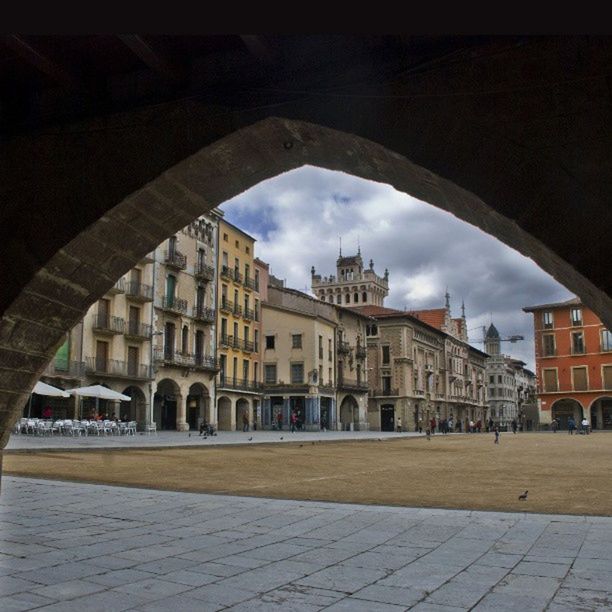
[[298, 217]]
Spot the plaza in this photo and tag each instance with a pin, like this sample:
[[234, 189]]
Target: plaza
[[67, 546]]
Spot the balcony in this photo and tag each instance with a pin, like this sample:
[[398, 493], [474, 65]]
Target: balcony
[[178, 359], [203, 272], [201, 313], [135, 330], [237, 310], [361, 352], [226, 341], [226, 382], [237, 277], [65, 368], [227, 272], [384, 392], [105, 324], [138, 292], [174, 305], [226, 305], [203, 362], [248, 346], [117, 369], [250, 283], [175, 259], [343, 347], [118, 287], [248, 314], [352, 385]]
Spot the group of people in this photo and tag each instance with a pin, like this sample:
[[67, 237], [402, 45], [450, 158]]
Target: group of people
[[585, 427]]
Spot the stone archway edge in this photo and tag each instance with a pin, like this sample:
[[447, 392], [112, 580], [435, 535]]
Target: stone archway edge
[[57, 297]]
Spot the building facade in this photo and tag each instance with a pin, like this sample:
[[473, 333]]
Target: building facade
[[510, 386], [315, 363], [239, 329], [573, 351], [184, 324]]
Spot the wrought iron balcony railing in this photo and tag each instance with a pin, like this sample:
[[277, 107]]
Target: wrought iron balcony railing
[[139, 291], [115, 368], [248, 346], [201, 313], [384, 392], [138, 331], [250, 283], [204, 272], [65, 368], [175, 259], [226, 305], [118, 287], [227, 382], [352, 385], [174, 305], [109, 325], [248, 314], [226, 341], [227, 272]]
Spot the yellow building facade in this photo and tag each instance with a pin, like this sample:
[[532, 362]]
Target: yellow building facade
[[238, 329]]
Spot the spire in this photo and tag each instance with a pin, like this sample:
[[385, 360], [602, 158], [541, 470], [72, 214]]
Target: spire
[[312, 271], [371, 264], [358, 246], [340, 240], [462, 309], [447, 296]]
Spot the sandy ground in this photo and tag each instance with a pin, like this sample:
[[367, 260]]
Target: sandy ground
[[564, 474]]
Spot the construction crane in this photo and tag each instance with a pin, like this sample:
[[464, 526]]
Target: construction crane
[[513, 339]]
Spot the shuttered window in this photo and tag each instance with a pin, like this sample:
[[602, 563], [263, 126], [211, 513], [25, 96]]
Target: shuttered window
[[550, 380], [607, 377], [580, 379]]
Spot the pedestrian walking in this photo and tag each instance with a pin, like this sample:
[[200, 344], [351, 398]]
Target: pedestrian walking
[[432, 425], [514, 425], [497, 435], [571, 425], [554, 425], [293, 420], [399, 425], [279, 420], [585, 426], [245, 421]]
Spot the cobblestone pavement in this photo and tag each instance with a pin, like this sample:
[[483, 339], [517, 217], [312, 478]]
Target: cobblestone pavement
[[78, 547], [175, 438]]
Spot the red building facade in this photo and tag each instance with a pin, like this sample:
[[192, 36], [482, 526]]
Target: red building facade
[[573, 364]]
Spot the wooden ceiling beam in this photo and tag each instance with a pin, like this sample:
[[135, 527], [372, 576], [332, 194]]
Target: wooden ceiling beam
[[150, 57]]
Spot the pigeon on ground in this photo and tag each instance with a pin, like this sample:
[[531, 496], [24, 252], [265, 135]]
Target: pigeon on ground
[[190, 435], [282, 438], [301, 445], [523, 497], [250, 438]]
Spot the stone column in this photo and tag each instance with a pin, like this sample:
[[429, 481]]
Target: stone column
[[181, 413]]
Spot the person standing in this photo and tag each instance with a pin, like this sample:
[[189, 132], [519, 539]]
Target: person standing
[[571, 425], [399, 425], [554, 425], [490, 424], [245, 421], [585, 426], [293, 421], [497, 435], [514, 425], [279, 420], [432, 425]]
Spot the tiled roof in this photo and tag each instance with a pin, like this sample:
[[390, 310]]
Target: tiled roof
[[570, 302], [377, 311], [434, 317]]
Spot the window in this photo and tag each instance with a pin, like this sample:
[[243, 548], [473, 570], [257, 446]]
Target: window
[[270, 374], [386, 355], [237, 244], [364, 297], [62, 357], [338, 299], [255, 368], [270, 342], [329, 376], [371, 330], [577, 343], [246, 301], [550, 380], [321, 349], [355, 298], [606, 340], [169, 331], [607, 376], [329, 349], [547, 320], [247, 249], [236, 267], [256, 339], [347, 298], [201, 258], [579, 376], [246, 333], [132, 360], [548, 344], [296, 341], [297, 373], [576, 316], [499, 379], [185, 339], [245, 370], [386, 385], [222, 365], [225, 239], [172, 245], [235, 331], [492, 380], [235, 371], [256, 280], [247, 271], [223, 327]]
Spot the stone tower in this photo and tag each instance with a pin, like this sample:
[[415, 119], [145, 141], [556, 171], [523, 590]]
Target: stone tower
[[492, 341], [352, 285]]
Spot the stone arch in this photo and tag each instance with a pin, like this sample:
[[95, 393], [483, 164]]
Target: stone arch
[[89, 261], [166, 403], [565, 407], [243, 407], [136, 409], [198, 406], [349, 412], [224, 413], [600, 412]]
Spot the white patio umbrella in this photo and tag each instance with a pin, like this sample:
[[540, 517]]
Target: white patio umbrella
[[41, 388], [99, 392]]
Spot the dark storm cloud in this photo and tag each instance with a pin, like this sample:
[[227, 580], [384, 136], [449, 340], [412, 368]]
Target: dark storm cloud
[[298, 218]]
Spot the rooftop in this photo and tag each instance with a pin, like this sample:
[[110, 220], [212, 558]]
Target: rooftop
[[571, 302]]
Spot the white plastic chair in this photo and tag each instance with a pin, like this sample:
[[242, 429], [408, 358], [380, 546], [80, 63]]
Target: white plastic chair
[[131, 428], [151, 428]]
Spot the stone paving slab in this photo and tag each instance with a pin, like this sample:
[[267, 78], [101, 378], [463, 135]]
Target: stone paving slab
[[69, 546]]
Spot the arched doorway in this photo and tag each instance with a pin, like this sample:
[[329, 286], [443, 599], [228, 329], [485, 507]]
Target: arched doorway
[[224, 413], [349, 412], [136, 409], [198, 406], [601, 413], [165, 404], [564, 408], [242, 409]]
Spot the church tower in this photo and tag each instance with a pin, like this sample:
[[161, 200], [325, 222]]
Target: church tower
[[352, 285], [492, 341]]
